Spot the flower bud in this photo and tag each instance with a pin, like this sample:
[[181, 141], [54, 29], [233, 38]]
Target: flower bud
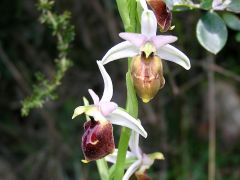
[[162, 13], [97, 141], [147, 75]]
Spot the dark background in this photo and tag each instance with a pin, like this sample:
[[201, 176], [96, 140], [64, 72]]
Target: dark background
[[46, 144]]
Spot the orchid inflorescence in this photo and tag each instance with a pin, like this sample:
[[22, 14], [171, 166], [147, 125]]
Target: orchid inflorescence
[[147, 51]]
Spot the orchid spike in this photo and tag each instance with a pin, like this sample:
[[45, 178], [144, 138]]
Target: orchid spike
[[147, 49], [98, 136], [141, 162]]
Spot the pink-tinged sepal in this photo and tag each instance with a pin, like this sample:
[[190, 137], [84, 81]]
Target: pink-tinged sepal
[[162, 40], [97, 141], [107, 107]]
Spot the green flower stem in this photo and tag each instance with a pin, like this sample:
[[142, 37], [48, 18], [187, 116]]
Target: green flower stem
[[103, 169], [128, 10], [132, 109]]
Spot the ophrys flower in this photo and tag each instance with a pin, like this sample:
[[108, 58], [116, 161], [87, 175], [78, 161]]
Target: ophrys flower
[[97, 140], [147, 50]]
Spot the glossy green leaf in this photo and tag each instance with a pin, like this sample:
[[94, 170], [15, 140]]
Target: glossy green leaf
[[232, 21], [234, 6], [211, 32]]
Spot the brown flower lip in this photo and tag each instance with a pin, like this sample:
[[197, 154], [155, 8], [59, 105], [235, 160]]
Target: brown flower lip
[[162, 13], [142, 176], [147, 76], [97, 141]]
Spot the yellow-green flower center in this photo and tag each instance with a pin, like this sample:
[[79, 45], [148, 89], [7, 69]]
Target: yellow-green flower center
[[148, 49]]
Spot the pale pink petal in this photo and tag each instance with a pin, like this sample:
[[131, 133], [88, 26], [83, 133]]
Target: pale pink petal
[[94, 96], [107, 107], [162, 40], [136, 39]]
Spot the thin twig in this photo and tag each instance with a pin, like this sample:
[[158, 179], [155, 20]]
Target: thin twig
[[13, 70]]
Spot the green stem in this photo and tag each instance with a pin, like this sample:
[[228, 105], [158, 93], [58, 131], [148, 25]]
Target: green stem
[[132, 109], [122, 149], [128, 10], [103, 169]]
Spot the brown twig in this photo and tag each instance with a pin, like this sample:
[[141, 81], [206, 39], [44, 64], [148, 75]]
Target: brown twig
[[13, 70]]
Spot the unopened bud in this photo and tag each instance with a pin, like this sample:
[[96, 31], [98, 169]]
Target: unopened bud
[[97, 141], [147, 75]]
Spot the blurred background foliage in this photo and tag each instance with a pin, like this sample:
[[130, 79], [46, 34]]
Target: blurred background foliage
[[46, 144]]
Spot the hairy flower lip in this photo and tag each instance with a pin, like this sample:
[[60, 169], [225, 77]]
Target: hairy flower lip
[[97, 141], [147, 75]]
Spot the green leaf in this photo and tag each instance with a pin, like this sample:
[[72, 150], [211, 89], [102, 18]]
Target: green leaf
[[234, 6], [124, 13], [232, 21], [211, 32], [206, 4]]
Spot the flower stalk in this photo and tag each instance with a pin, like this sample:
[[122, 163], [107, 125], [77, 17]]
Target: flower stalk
[[130, 25]]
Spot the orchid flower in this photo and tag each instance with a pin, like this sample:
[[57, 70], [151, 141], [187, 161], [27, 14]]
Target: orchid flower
[[147, 49], [220, 4], [98, 140], [141, 162]]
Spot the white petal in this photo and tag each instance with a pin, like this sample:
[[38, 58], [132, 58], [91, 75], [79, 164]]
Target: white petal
[[120, 117], [134, 144], [171, 53], [148, 24], [144, 4], [108, 87], [137, 39], [122, 50], [94, 96], [112, 158], [132, 169]]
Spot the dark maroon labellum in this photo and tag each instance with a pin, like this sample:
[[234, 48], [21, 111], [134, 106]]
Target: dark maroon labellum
[[97, 141], [162, 13]]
